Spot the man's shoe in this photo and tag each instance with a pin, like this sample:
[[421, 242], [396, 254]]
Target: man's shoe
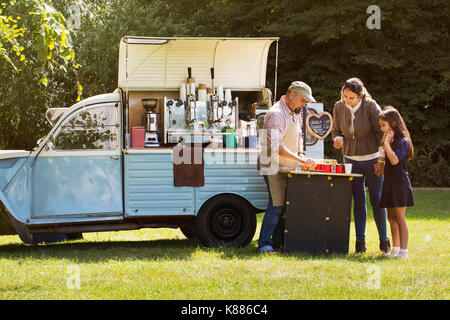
[[360, 246], [265, 249], [385, 246]]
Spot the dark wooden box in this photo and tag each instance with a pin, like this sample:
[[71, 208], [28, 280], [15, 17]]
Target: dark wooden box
[[318, 209]]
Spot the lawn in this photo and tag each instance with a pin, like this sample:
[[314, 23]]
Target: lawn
[[163, 264]]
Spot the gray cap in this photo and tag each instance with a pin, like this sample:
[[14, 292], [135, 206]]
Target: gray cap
[[304, 89]]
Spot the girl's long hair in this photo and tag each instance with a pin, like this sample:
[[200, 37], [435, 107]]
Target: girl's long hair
[[395, 120], [357, 86]]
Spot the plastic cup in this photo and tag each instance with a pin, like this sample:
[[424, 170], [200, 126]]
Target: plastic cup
[[326, 168], [348, 168], [340, 168]]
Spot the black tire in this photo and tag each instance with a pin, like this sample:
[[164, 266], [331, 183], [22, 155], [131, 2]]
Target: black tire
[[189, 231], [226, 220], [74, 236]]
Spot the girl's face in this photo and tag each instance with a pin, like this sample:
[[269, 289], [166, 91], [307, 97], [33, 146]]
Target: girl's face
[[385, 127], [350, 98]]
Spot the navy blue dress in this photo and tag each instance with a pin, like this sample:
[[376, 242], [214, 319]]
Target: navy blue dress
[[397, 191]]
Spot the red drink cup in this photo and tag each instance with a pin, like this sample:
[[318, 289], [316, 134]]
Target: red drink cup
[[340, 168], [327, 168]]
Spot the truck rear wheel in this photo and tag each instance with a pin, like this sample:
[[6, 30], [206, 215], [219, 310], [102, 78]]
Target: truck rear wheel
[[226, 220], [188, 230]]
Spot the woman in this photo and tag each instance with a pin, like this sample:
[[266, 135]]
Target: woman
[[357, 132]]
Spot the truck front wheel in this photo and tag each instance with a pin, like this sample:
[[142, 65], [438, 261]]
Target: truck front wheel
[[226, 220]]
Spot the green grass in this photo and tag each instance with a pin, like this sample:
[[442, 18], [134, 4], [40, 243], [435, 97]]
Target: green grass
[[162, 264]]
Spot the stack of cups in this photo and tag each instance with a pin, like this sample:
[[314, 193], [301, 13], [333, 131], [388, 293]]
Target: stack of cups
[[228, 95], [220, 93]]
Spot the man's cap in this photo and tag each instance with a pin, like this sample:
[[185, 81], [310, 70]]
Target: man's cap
[[303, 89]]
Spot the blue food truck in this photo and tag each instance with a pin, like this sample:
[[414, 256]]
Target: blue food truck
[[108, 162]]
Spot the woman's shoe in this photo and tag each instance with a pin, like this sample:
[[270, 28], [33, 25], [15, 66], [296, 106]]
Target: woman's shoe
[[360, 246]]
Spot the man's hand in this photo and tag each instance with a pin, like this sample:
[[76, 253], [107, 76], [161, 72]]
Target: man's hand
[[308, 163], [379, 169], [338, 142]]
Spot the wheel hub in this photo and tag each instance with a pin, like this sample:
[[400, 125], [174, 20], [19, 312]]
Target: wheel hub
[[226, 223]]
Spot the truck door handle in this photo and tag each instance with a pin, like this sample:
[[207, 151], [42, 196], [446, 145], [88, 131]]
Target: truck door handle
[[114, 157]]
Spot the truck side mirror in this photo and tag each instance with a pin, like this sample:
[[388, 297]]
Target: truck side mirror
[[49, 145]]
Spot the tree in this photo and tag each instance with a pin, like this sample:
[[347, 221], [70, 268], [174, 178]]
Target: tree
[[36, 57], [405, 63], [50, 46]]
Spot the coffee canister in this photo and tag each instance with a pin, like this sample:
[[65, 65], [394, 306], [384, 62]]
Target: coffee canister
[[183, 92], [201, 92]]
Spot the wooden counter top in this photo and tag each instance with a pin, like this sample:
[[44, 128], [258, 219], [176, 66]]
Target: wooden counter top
[[207, 150], [319, 173]]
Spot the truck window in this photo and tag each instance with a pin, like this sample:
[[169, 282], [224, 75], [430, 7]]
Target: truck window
[[92, 128]]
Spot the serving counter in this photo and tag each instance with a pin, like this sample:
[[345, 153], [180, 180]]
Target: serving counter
[[318, 209]]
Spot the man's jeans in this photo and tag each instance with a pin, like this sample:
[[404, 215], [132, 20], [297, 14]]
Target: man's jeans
[[375, 185], [269, 224]]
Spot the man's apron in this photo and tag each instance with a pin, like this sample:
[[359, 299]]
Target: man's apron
[[277, 182]]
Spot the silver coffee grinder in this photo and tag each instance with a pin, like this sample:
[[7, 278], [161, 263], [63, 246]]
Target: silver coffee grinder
[[152, 123]]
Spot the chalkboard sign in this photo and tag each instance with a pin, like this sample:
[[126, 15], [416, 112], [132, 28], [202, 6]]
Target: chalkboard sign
[[319, 125]]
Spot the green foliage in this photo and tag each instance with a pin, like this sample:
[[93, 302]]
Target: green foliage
[[46, 77], [43, 33], [10, 34], [404, 64]]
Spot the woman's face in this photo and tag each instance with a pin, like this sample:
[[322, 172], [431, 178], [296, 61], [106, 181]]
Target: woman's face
[[385, 127], [350, 98]]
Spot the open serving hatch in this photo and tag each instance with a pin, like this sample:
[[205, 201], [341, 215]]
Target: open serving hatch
[[152, 63]]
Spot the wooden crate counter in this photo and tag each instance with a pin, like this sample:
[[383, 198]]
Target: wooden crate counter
[[318, 209]]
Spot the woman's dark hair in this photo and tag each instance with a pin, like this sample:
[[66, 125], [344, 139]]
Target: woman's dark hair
[[395, 120], [357, 86]]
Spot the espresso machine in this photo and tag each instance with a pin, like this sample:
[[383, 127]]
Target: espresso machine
[[191, 120], [152, 123]]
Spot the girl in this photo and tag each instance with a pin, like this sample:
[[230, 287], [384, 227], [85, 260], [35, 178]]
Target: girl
[[396, 193]]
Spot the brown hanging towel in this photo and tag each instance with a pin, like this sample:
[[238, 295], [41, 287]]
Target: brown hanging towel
[[188, 166]]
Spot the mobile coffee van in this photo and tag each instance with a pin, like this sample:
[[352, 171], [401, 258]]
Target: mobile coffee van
[[107, 164]]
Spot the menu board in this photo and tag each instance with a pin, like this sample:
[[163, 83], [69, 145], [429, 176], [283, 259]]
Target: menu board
[[319, 125]]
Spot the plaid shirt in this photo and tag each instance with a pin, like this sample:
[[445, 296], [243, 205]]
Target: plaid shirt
[[276, 122]]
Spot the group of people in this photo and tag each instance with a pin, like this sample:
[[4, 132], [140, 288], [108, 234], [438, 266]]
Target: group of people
[[376, 143]]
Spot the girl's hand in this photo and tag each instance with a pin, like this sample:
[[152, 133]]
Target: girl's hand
[[389, 137]]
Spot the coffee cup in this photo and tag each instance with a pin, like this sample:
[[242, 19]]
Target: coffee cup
[[348, 168]]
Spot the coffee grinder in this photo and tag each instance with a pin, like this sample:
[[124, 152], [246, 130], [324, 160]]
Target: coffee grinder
[[152, 123]]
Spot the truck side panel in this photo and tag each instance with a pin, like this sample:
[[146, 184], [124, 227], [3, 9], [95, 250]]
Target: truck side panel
[[18, 193], [149, 189], [232, 172]]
